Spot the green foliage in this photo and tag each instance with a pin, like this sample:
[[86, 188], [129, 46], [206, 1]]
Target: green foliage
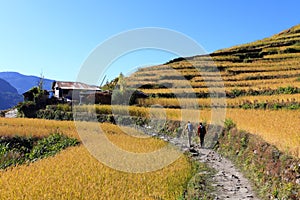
[[288, 90], [57, 112], [229, 124], [293, 49], [18, 150], [110, 85], [237, 92], [200, 185], [50, 145], [37, 94], [27, 109], [64, 107]]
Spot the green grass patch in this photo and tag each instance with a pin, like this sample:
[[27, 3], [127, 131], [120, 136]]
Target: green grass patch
[[18, 150], [200, 185]]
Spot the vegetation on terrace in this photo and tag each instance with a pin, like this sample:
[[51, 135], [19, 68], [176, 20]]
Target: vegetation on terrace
[[275, 174], [269, 63], [76, 174], [261, 81]]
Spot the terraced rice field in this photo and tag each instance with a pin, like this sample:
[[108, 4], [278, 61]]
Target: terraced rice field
[[75, 174], [260, 82]]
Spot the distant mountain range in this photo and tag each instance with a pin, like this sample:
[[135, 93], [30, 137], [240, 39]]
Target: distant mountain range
[[14, 84], [23, 82], [9, 96]]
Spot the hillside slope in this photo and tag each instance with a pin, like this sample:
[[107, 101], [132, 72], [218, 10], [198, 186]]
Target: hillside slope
[[9, 96], [260, 80], [23, 82], [270, 66]]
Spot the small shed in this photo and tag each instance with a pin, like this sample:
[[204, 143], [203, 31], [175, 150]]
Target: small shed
[[72, 90]]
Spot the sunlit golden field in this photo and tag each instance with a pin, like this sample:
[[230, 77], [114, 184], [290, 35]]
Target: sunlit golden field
[[135, 142], [209, 101], [279, 127], [266, 71], [36, 127], [75, 174]]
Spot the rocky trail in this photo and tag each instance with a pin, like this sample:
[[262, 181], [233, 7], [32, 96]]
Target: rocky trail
[[229, 182]]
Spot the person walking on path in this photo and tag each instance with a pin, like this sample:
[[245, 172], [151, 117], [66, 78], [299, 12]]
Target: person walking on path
[[201, 133], [190, 129]]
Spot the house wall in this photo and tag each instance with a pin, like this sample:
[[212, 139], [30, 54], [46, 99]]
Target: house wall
[[56, 92]]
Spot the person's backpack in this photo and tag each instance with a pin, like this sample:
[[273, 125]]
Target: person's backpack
[[203, 130]]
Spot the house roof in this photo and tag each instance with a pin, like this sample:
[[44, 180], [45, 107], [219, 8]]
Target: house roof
[[74, 85]]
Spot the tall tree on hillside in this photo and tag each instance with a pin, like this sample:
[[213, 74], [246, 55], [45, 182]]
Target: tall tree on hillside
[[40, 83]]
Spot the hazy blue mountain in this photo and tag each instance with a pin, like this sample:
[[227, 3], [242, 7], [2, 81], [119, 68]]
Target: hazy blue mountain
[[23, 82], [9, 96]]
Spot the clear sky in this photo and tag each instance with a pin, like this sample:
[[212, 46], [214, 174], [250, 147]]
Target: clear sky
[[54, 37]]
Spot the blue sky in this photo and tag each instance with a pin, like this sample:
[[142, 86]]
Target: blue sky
[[55, 37]]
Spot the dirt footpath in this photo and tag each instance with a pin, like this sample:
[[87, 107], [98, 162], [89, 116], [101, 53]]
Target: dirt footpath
[[229, 181]]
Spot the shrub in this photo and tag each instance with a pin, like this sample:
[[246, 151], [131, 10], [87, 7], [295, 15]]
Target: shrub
[[229, 124], [49, 146], [17, 150], [27, 109], [64, 107]]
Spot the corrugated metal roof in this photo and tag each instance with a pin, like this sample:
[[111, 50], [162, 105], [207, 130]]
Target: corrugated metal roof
[[75, 85]]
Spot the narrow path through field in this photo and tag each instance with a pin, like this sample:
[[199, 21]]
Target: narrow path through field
[[228, 181]]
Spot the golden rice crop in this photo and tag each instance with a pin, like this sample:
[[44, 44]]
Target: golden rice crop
[[187, 102], [245, 76], [262, 82], [261, 87], [280, 69], [272, 126], [42, 128], [75, 174], [191, 102], [196, 83], [35, 127], [281, 56], [279, 127]]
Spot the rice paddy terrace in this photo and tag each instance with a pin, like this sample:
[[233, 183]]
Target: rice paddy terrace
[[260, 82]]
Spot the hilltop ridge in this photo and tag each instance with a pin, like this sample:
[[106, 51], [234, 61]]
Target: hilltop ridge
[[284, 38]]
